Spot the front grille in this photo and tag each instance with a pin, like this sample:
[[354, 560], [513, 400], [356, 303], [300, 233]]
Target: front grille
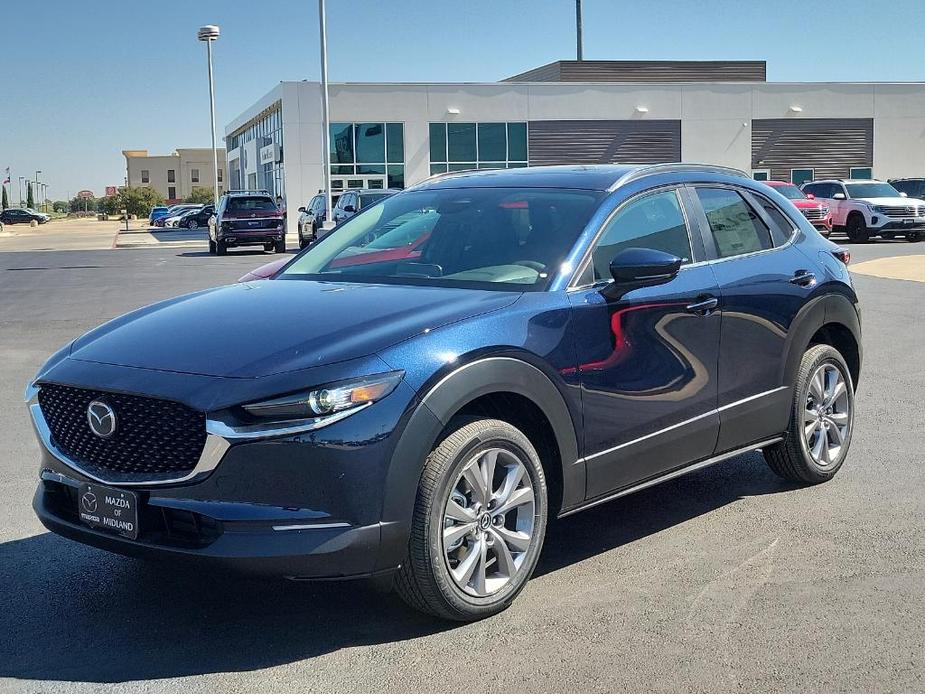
[[154, 439], [815, 213], [903, 210]]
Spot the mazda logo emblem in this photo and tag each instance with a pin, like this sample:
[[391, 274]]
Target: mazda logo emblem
[[102, 419], [88, 501]]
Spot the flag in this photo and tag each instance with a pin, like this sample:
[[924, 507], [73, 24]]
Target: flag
[[7, 179]]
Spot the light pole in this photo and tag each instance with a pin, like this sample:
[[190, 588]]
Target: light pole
[[35, 188], [210, 33], [22, 179], [325, 116]]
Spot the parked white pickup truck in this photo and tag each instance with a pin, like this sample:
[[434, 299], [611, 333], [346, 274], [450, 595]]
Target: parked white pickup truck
[[863, 209]]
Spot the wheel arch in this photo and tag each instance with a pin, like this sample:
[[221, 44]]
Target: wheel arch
[[831, 319], [492, 387]]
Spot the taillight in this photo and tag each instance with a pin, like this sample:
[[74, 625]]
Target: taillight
[[843, 254]]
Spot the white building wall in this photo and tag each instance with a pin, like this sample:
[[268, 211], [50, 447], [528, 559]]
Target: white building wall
[[715, 117]]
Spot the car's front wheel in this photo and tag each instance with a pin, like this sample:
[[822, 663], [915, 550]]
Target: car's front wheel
[[192, 224], [821, 420], [857, 229], [914, 236], [479, 522]]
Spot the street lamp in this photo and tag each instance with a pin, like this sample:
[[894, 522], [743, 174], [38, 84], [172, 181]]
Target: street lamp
[[22, 180], [325, 116], [210, 33], [35, 188]]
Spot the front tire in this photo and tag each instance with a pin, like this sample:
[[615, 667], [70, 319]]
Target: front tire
[[280, 246], [478, 525], [857, 229], [821, 420], [211, 247], [192, 224], [914, 236], [221, 248]]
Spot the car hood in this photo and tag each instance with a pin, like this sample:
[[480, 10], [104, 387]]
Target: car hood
[[897, 202], [807, 204], [265, 328]]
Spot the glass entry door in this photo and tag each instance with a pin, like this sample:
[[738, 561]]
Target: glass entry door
[[360, 181]]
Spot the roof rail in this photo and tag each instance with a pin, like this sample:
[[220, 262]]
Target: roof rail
[[653, 169], [246, 192]]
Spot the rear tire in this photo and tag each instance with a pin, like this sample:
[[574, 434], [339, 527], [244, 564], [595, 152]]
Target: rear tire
[[914, 236], [211, 247], [192, 224], [857, 229], [220, 248], [821, 420], [474, 544]]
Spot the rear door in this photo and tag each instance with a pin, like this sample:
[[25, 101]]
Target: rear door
[[647, 360], [764, 280]]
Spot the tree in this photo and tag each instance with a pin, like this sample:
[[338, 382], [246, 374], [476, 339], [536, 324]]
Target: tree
[[59, 206], [137, 201], [201, 196], [5, 203], [30, 201]]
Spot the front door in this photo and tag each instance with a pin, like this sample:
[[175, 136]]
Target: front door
[[647, 359]]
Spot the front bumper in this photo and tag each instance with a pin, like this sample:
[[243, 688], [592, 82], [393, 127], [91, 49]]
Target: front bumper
[[307, 506], [883, 223]]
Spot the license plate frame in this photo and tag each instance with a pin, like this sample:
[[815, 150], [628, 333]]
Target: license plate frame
[[106, 508]]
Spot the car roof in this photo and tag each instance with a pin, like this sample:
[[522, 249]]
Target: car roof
[[778, 183], [600, 177]]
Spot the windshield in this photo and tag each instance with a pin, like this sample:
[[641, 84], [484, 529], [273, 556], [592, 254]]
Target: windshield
[[250, 203], [871, 190], [790, 191], [488, 238], [370, 198]]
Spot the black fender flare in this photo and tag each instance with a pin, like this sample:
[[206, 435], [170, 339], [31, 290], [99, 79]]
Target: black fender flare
[[826, 309], [436, 408]]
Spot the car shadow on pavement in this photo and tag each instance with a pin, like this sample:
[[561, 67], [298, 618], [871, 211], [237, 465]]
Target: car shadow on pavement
[[73, 613]]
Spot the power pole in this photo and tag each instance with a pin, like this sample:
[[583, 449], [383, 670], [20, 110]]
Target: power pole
[[578, 27]]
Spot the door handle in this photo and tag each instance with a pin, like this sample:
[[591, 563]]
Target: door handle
[[705, 306], [804, 278]]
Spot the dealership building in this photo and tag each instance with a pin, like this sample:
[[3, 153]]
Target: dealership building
[[588, 112]]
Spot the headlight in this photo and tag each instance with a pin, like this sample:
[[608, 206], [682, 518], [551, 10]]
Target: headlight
[[878, 208], [327, 400]]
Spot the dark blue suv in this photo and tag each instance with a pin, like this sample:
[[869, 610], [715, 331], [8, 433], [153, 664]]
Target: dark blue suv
[[541, 341]]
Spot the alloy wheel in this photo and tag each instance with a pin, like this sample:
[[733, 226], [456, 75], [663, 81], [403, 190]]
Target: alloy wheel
[[488, 522], [827, 415]]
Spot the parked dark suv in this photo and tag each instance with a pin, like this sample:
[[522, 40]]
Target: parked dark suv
[[351, 202], [195, 219], [565, 336], [247, 218], [17, 215]]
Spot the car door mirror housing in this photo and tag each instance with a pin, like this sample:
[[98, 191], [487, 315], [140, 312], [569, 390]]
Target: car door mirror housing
[[301, 209], [349, 208], [811, 196], [839, 196], [633, 268], [903, 195]]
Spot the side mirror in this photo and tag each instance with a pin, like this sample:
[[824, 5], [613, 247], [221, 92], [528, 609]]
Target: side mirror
[[633, 268], [301, 209], [839, 196], [349, 208], [810, 196], [903, 195]]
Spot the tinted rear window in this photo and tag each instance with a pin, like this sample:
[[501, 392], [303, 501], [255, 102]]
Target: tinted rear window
[[250, 203]]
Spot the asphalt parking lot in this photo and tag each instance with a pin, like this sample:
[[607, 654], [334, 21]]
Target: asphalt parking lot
[[727, 580]]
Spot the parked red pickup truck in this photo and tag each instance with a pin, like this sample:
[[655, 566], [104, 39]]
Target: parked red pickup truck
[[817, 212]]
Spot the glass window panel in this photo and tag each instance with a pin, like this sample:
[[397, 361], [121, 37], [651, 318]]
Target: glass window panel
[[337, 185], [492, 142], [492, 165], [517, 141], [395, 142], [465, 166], [798, 176], [735, 226], [861, 172], [341, 143], [370, 142], [354, 182], [438, 141], [370, 168], [396, 176], [516, 164], [437, 168], [374, 183], [653, 221], [341, 170], [460, 141]]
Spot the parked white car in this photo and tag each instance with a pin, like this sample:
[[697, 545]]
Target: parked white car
[[863, 209]]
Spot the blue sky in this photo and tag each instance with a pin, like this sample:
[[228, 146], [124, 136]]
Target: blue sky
[[84, 80]]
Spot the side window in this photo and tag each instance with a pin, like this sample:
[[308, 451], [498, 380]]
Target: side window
[[736, 227], [651, 221], [781, 227]]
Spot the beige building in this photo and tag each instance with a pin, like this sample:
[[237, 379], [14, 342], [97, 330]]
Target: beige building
[[174, 175]]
